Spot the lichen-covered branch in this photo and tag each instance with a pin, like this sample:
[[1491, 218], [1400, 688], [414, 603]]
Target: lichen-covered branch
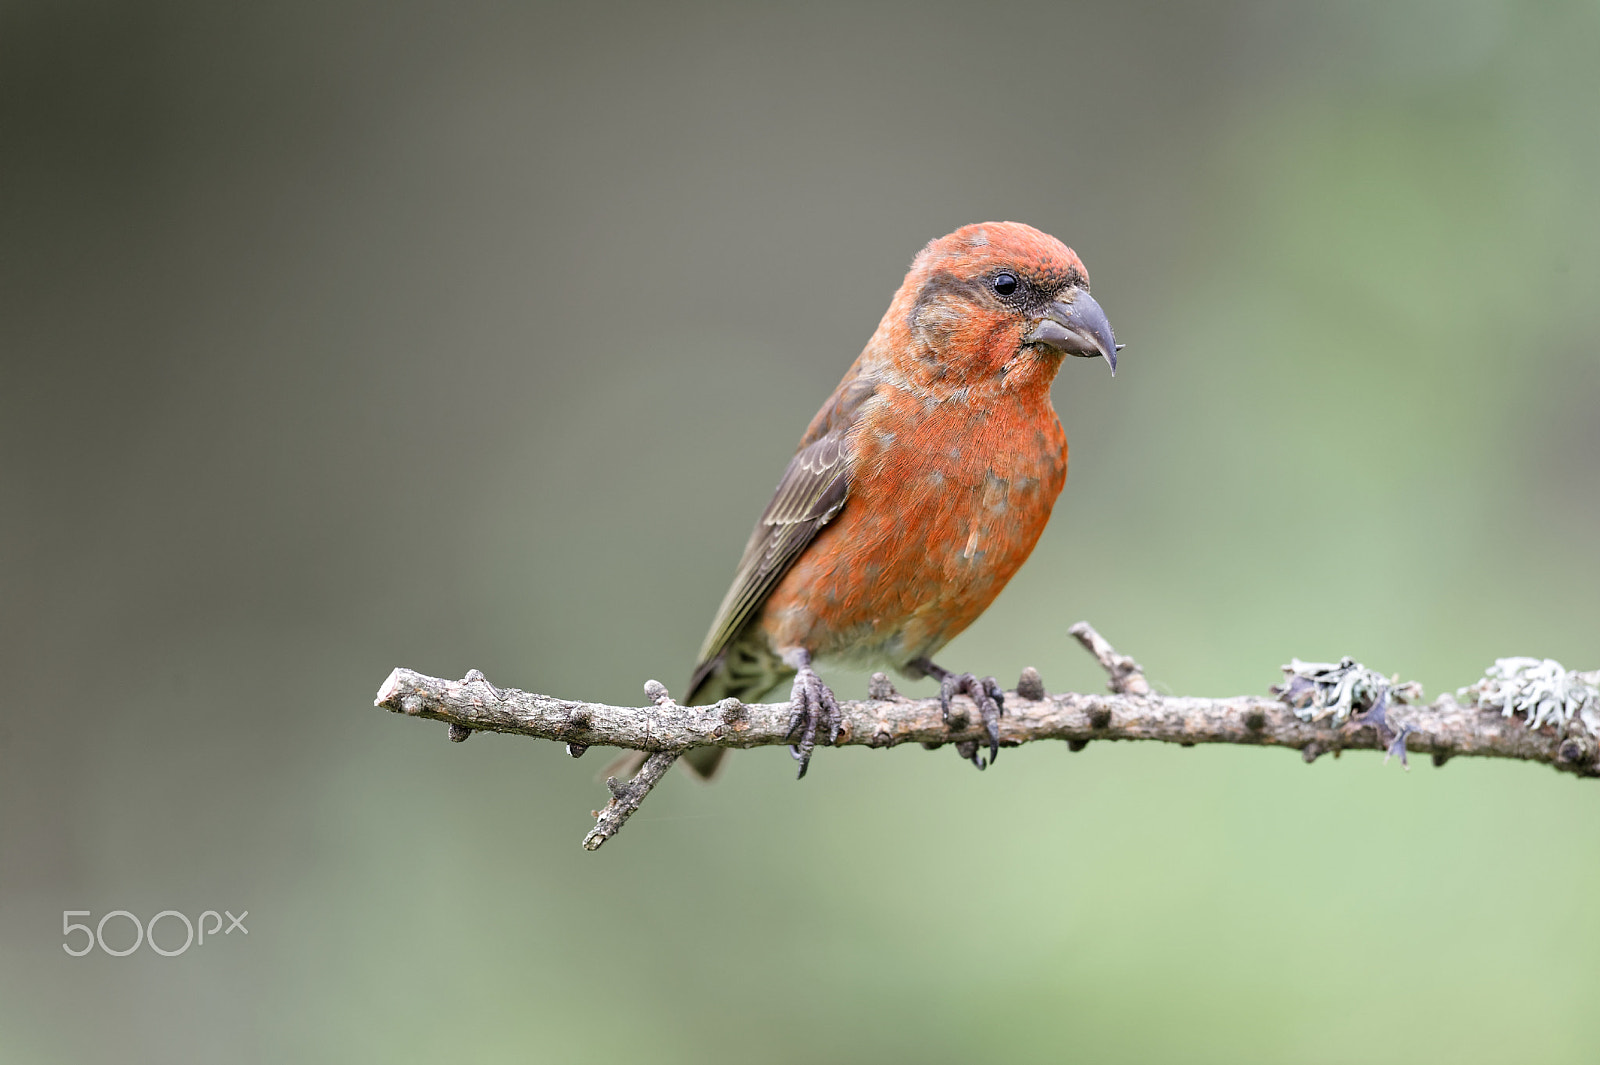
[[1323, 707]]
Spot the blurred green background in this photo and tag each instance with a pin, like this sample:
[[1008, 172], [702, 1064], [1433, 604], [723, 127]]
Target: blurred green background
[[344, 336]]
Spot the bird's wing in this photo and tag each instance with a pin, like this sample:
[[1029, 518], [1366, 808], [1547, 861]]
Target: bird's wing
[[811, 493]]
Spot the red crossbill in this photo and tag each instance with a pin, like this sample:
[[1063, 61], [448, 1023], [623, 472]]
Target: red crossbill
[[919, 488]]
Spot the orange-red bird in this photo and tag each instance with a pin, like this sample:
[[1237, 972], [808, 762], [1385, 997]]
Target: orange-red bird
[[919, 488]]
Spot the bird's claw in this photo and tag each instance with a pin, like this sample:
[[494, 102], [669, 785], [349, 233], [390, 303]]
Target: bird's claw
[[815, 709], [989, 698]]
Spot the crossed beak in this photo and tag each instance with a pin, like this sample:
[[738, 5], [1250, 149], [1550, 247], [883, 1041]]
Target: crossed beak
[[1075, 325]]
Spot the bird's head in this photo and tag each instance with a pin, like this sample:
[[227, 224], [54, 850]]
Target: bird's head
[[1000, 298]]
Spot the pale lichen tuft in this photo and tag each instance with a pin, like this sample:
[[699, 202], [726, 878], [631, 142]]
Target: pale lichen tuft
[[1541, 689], [1320, 690]]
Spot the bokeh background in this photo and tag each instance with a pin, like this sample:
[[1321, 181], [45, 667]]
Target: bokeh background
[[344, 336]]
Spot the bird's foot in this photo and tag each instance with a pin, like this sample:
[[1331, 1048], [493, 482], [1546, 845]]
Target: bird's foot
[[985, 693], [815, 710]]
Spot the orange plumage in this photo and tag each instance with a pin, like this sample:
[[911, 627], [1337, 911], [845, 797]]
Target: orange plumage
[[921, 485]]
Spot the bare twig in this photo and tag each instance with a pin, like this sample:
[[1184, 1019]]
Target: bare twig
[[1127, 678], [1444, 728], [626, 797]]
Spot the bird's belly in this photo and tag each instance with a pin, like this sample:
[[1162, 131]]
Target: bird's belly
[[928, 538]]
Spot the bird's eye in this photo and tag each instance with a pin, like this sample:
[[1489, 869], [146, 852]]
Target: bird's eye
[[1004, 284]]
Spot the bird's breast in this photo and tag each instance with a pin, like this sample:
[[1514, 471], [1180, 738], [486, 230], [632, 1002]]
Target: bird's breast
[[947, 499]]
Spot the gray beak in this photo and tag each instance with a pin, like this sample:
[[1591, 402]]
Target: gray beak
[[1075, 325]]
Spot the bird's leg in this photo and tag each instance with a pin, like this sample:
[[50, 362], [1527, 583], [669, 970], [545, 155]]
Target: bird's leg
[[985, 692], [814, 709]]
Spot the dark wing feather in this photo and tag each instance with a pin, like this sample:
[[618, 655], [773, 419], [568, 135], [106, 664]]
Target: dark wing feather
[[810, 494]]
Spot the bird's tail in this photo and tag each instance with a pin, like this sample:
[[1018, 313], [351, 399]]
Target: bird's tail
[[746, 670], [701, 763]]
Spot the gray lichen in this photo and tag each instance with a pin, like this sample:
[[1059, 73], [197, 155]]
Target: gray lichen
[[1320, 690], [1541, 689]]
